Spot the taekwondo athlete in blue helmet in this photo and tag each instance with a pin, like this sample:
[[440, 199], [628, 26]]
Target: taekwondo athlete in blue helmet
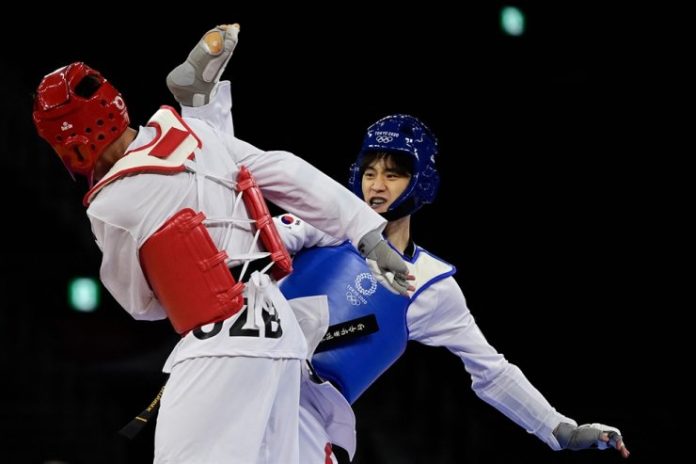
[[367, 327]]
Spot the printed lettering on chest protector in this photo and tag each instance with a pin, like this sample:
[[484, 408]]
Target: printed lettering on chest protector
[[248, 324]]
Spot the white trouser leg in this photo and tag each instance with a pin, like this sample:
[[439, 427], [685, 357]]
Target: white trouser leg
[[315, 447], [229, 409], [281, 442]]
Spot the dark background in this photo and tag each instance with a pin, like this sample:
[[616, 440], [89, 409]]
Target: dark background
[[559, 206]]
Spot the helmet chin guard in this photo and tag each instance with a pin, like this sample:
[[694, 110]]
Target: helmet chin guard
[[402, 134], [79, 113]]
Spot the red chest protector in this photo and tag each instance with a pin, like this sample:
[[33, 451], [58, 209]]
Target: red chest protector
[[184, 267], [188, 273]]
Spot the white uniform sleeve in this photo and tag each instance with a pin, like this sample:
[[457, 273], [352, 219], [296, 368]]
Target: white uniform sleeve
[[290, 182], [300, 188], [297, 234], [121, 273], [439, 317]]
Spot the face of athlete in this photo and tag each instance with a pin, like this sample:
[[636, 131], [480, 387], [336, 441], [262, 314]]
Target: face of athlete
[[383, 183]]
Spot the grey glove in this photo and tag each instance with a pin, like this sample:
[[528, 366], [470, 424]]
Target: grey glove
[[385, 263], [587, 436]]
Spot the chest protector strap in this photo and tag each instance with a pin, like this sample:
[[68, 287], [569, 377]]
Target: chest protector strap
[[188, 273], [258, 210], [166, 153]]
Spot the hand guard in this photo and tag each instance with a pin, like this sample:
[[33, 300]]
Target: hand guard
[[587, 436], [385, 263]]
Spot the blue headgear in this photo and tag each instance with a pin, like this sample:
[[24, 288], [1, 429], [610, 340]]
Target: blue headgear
[[401, 133]]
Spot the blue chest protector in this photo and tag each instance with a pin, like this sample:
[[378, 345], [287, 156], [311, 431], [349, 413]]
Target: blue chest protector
[[367, 323]]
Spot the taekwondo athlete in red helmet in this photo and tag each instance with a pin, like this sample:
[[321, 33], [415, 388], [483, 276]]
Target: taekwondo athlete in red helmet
[[177, 208], [395, 173]]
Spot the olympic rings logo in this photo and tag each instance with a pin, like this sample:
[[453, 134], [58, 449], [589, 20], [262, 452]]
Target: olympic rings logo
[[384, 138], [352, 299]]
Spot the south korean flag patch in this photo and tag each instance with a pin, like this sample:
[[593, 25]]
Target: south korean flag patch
[[289, 221]]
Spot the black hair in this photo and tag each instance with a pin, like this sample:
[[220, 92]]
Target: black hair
[[403, 164]]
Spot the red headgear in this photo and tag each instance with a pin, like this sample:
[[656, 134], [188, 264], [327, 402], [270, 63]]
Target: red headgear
[[79, 113]]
